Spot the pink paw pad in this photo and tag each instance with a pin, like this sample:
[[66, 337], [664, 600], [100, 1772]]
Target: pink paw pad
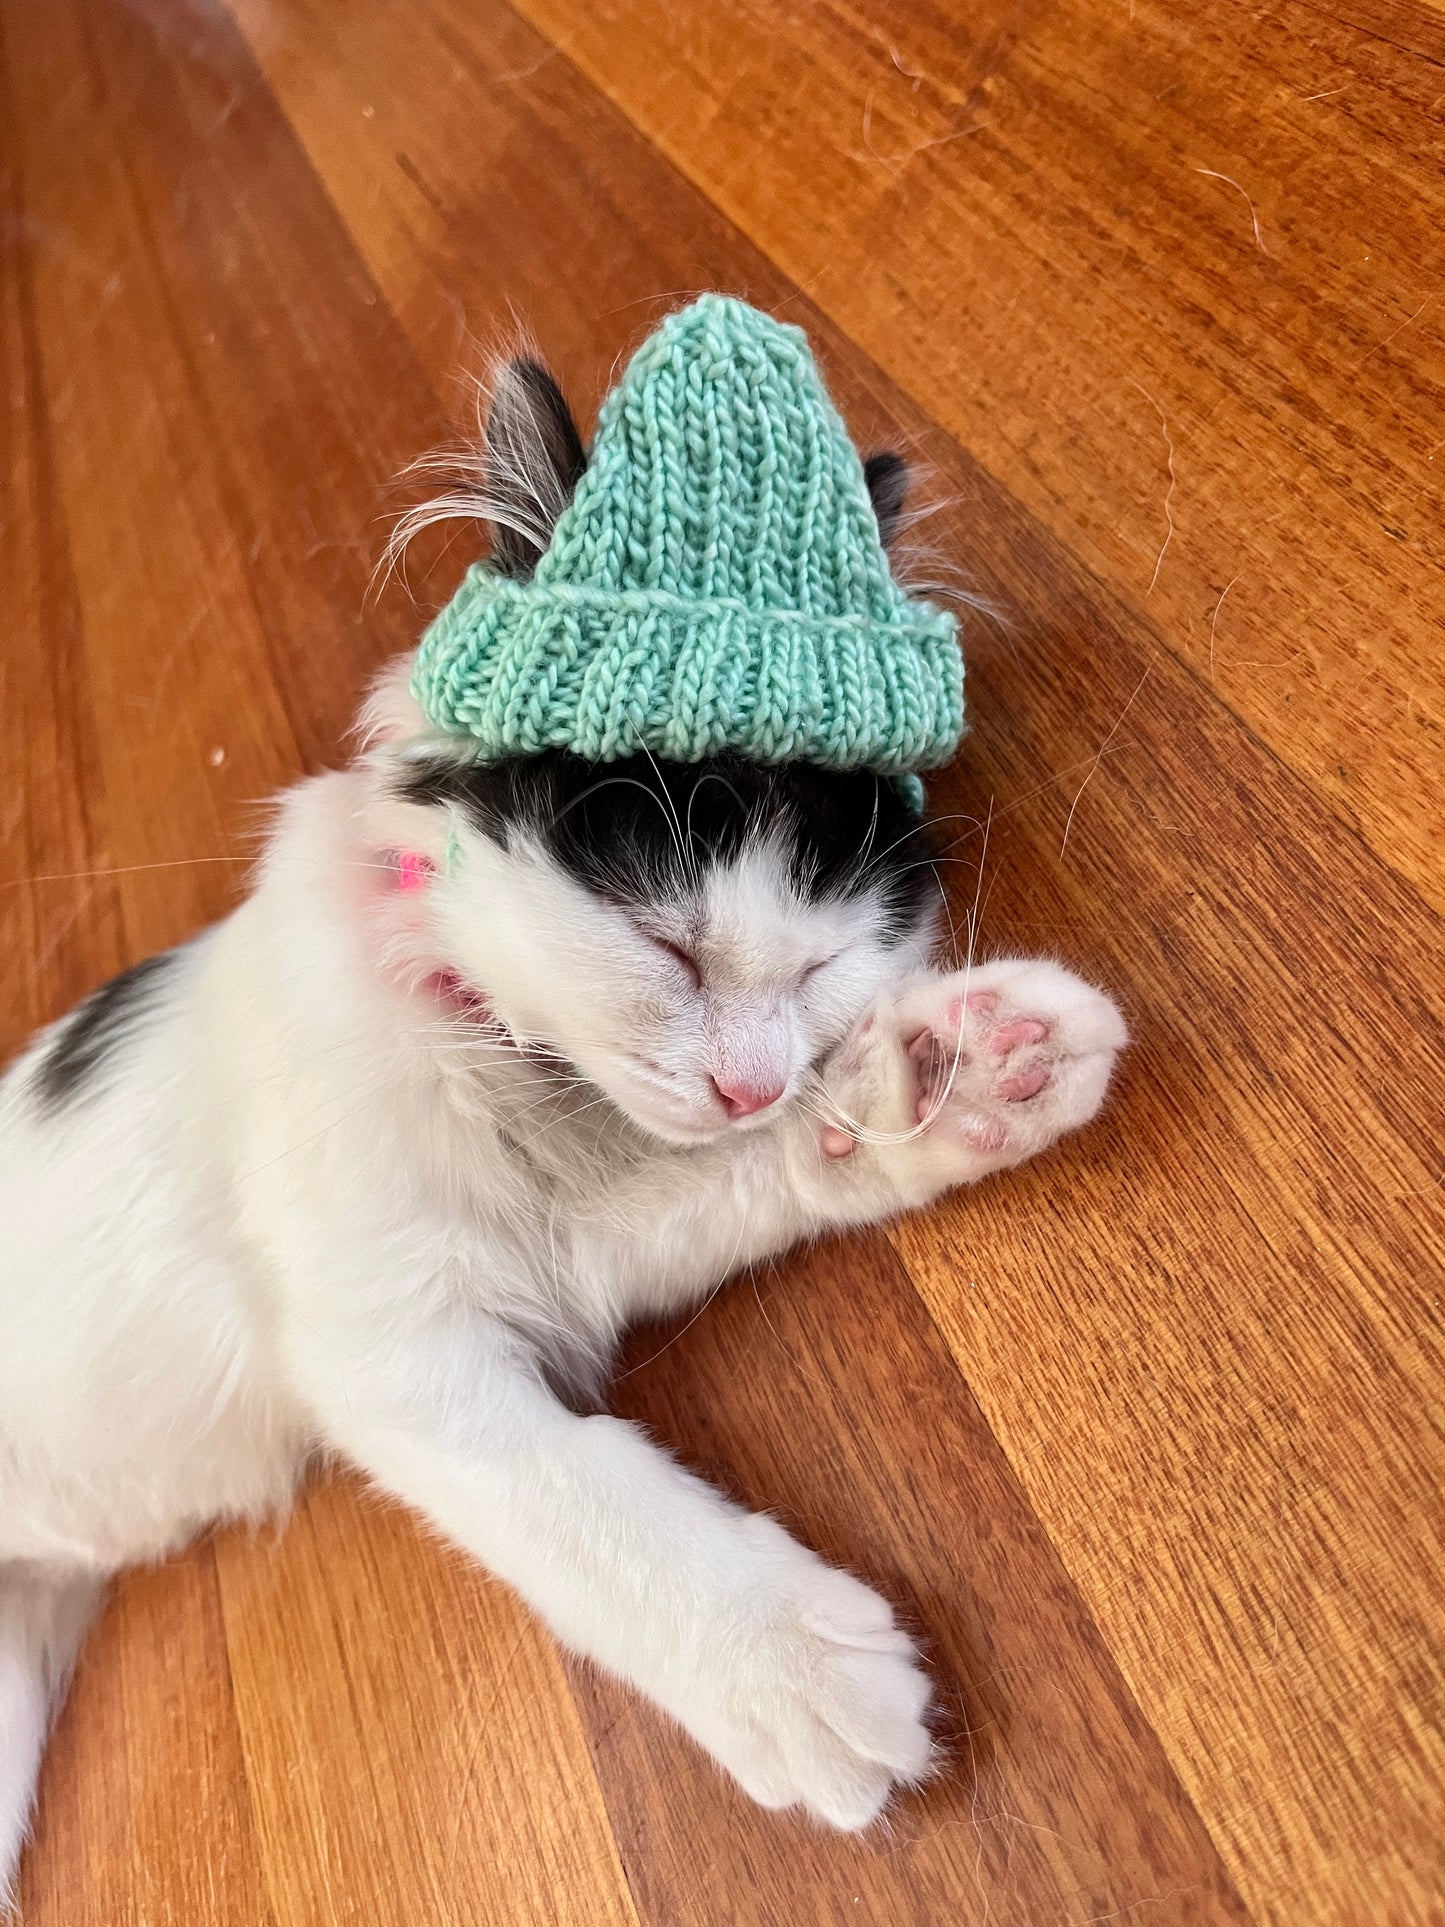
[[835, 1143], [984, 1002], [1020, 1030], [1024, 1084]]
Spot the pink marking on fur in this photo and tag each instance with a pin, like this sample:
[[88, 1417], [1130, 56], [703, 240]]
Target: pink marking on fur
[[835, 1143], [1023, 1030], [413, 871], [1024, 1085]]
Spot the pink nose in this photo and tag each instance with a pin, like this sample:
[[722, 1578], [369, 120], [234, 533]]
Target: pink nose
[[742, 1100]]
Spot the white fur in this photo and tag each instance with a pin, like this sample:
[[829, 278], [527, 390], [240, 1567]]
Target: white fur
[[309, 1207]]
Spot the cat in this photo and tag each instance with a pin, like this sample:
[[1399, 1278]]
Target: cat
[[491, 1062]]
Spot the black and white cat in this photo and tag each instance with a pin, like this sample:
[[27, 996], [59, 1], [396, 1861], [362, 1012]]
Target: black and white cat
[[491, 1062]]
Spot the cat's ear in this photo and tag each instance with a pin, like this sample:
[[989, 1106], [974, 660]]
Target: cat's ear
[[535, 460], [886, 474]]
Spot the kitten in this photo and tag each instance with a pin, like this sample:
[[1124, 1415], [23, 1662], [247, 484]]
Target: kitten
[[492, 1062]]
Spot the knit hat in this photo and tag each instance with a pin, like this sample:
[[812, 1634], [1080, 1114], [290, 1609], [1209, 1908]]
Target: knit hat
[[717, 582]]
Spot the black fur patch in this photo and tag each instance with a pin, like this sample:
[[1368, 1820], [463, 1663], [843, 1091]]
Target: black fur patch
[[887, 477], [636, 830], [536, 462], [97, 1028]]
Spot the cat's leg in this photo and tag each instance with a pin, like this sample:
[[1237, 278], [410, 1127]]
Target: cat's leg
[[952, 1077], [44, 1614], [793, 1675]]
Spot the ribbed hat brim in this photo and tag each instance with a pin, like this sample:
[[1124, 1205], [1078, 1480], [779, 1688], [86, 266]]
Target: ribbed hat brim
[[523, 667]]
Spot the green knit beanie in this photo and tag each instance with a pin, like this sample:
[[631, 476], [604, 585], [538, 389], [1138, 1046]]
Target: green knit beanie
[[717, 583]]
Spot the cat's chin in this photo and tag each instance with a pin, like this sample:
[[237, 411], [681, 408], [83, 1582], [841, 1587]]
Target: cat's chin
[[702, 1130], [678, 1124], [674, 1119], [674, 1130], [652, 1106]]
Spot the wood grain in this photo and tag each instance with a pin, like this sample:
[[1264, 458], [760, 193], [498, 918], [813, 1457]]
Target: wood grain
[[145, 1759], [1146, 1438], [51, 827], [479, 1805]]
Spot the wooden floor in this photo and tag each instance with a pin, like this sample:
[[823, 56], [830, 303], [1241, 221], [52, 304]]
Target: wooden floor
[[1146, 1438]]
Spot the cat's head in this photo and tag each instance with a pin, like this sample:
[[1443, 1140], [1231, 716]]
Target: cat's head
[[692, 937]]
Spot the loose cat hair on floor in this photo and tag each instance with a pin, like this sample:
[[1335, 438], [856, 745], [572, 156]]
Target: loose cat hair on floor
[[491, 1063]]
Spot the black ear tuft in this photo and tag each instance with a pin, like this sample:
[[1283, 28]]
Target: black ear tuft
[[535, 460], [887, 477]]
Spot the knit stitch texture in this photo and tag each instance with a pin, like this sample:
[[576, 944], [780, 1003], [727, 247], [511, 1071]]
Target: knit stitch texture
[[717, 583]]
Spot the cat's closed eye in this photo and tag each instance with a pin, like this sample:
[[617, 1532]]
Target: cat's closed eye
[[812, 969], [684, 959]]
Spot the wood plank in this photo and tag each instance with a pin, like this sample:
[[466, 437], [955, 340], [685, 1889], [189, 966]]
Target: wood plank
[[1416, 25], [1282, 1118], [1041, 221], [147, 1742], [413, 1750], [1223, 1310], [286, 365], [144, 1816], [1272, 1257], [820, 1390], [52, 932], [172, 669]]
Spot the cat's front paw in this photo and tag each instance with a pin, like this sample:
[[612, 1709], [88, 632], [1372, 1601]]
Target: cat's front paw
[[965, 1074], [815, 1696]]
